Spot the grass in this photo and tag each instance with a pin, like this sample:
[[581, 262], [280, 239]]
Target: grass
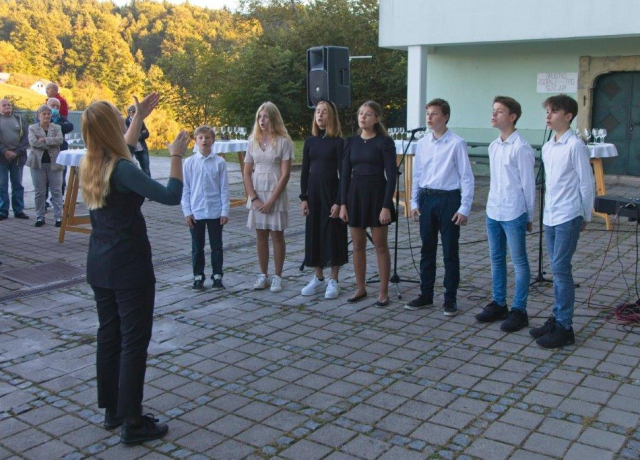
[[232, 158], [24, 97]]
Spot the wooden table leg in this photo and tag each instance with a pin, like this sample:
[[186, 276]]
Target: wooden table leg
[[67, 208], [235, 202], [598, 172], [408, 182]]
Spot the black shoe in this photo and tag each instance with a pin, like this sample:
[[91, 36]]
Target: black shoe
[[198, 283], [450, 308], [21, 215], [422, 302], [217, 283], [148, 430], [111, 420], [39, 222], [492, 312], [3, 217], [538, 332], [516, 320], [557, 337], [58, 223]]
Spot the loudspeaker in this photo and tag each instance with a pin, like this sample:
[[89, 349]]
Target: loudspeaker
[[328, 77]]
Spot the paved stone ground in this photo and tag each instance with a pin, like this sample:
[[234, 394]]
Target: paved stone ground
[[245, 374]]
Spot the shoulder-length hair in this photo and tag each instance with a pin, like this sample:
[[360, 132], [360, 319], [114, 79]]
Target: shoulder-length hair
[[333, 128], [379, 127], [276, 125], [102, 134]]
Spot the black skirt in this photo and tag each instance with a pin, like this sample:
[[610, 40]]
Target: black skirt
[[365, 201], [325, 238]]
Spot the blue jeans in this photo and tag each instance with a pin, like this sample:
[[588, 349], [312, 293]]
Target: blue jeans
[[143, 158], [11, 172], [197, 245], [561, 243], [512, 233]]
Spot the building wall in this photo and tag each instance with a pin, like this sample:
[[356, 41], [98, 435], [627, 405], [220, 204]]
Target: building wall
[[470, 76]]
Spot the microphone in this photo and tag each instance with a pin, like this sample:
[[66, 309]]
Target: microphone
[[417, 130]]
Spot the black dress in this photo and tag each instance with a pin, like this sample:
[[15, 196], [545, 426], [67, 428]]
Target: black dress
[[325, 238], [369, 173]]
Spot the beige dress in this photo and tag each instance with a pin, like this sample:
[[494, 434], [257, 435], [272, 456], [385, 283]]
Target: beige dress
[[265, 177]]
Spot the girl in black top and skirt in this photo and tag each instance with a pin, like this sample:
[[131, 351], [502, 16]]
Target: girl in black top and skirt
[[368, 181], [325, 233]]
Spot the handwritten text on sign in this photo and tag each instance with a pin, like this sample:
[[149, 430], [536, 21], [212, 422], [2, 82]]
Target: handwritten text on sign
[[563, 82]]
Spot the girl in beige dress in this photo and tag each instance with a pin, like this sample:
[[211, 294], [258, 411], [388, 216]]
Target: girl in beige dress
[[267, 167]]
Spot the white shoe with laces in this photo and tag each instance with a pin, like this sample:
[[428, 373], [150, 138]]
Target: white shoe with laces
[[314, 287], [261, 283], [276, 284], [333, 290]]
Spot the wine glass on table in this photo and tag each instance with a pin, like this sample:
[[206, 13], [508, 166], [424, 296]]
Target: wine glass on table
[[603, 134], [587, 135]]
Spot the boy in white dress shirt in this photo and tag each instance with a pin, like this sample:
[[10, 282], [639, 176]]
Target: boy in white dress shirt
[[441, 198], [512, 193], [567, 209], [205, 204]]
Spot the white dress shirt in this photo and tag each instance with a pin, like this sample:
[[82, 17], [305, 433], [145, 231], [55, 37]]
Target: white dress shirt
[[512, 190], [569, 180], [205, 192], [443, 164]]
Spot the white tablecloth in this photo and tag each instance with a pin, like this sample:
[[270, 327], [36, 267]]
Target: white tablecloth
[[602, 150], [70, 157], [227, 146], [402, 144]]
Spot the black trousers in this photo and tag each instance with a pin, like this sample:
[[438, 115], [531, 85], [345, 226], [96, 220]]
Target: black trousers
[[126, 319], [436, 212], [215, 243]]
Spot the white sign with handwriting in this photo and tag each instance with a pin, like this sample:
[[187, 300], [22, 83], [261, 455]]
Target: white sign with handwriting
[[561, 82]]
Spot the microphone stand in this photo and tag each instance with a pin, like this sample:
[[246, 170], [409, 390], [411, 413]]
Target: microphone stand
[[539, 279]]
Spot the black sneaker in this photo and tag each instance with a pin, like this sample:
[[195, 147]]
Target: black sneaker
[[557, 337], [217, 283], [516, 320], [111, 420], [21, 215], [422, 302], [3, 217], [492, 312], [450, 308], [39, 222], [58, 223], [198, 283], [538, 332], [148, 430]]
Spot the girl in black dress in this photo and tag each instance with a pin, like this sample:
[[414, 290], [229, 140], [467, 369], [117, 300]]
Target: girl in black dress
[[368, 181], [325, 233]]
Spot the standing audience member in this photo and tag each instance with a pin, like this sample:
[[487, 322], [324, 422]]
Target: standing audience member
[[267, 168], [441, 199], [45, 139], [14, 141], [52, 91], [205, 205], [325, 234], [142, 152], [67, 127], [119, 266], [368, 182]]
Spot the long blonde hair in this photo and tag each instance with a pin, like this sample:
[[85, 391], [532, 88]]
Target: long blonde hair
[[102, 133], [333, 122], [276, 125]]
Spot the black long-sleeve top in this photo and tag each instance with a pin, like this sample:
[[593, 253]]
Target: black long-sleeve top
[[321, 156], [371, 157]]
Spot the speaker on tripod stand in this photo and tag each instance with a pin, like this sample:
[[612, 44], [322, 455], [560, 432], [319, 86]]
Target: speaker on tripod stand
[[328, 76]]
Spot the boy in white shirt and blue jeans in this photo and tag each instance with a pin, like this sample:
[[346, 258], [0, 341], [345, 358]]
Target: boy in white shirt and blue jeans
[[568, 204], [205, 205], [512, 193]]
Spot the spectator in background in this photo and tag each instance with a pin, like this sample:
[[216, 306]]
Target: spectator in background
[[142, 152], [52, 91], [67, 127], [14, 141]]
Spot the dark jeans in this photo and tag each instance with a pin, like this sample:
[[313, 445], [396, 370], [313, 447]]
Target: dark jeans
[[11, 172], [436, 212], [126, 319], [143, 158], [215, 243]]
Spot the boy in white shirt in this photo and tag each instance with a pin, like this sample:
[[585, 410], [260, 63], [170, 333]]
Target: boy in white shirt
[[205, 204], [567, 209], [441, 198], [509, 215]]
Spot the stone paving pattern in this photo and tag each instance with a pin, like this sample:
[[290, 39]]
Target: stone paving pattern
[[251, 374]]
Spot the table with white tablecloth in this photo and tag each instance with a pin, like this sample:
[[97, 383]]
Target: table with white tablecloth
[[71, 222], [597, 153]]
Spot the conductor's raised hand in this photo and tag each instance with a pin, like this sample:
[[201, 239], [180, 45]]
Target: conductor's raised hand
[[146, 106], [179, 144], [344, 215], [459, 219]]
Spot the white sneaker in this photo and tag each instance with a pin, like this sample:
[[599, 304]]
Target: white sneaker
[[314, 286], [276, 284], [333, 290], [261, 283]]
